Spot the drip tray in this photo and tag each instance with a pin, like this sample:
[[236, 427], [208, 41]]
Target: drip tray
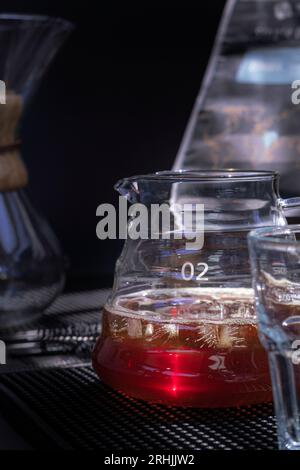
[[55, 400], [71, 409]]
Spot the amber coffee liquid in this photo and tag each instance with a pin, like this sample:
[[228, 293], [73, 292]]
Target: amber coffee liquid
[[198, 348]]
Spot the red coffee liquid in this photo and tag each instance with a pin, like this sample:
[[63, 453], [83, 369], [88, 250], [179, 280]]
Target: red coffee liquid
[[189, 350]]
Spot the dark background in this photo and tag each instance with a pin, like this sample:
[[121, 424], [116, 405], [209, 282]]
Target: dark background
[[115, 102]]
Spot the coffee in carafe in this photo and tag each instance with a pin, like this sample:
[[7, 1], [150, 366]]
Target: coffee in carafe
[[200, 349]]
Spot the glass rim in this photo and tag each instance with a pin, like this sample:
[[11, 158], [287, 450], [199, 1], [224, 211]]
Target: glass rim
[[27, 19], [226, 174], [267, 236]]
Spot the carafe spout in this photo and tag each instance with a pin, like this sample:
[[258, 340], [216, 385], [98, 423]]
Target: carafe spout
[[128, 188]]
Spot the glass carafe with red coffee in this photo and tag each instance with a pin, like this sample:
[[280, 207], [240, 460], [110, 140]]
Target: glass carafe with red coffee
[[180, 325]]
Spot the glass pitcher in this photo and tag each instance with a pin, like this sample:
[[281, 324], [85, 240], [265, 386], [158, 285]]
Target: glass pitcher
[[31, 263], [180, 324]]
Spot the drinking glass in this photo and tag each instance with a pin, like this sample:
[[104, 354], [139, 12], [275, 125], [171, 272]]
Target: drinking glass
[[275, 261]]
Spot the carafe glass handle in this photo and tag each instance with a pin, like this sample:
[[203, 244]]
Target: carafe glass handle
[[290, 206]]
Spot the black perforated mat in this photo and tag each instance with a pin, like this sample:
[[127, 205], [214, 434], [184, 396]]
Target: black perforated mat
[[69, 407], [81, 412]]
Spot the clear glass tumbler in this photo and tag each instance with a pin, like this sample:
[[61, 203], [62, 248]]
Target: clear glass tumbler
[[275, 260]]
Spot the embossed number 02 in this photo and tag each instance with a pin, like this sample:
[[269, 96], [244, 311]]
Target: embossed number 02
[[188, 271]]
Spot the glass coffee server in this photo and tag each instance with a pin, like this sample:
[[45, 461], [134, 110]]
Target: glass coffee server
[[31, 266], [180, 325]]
